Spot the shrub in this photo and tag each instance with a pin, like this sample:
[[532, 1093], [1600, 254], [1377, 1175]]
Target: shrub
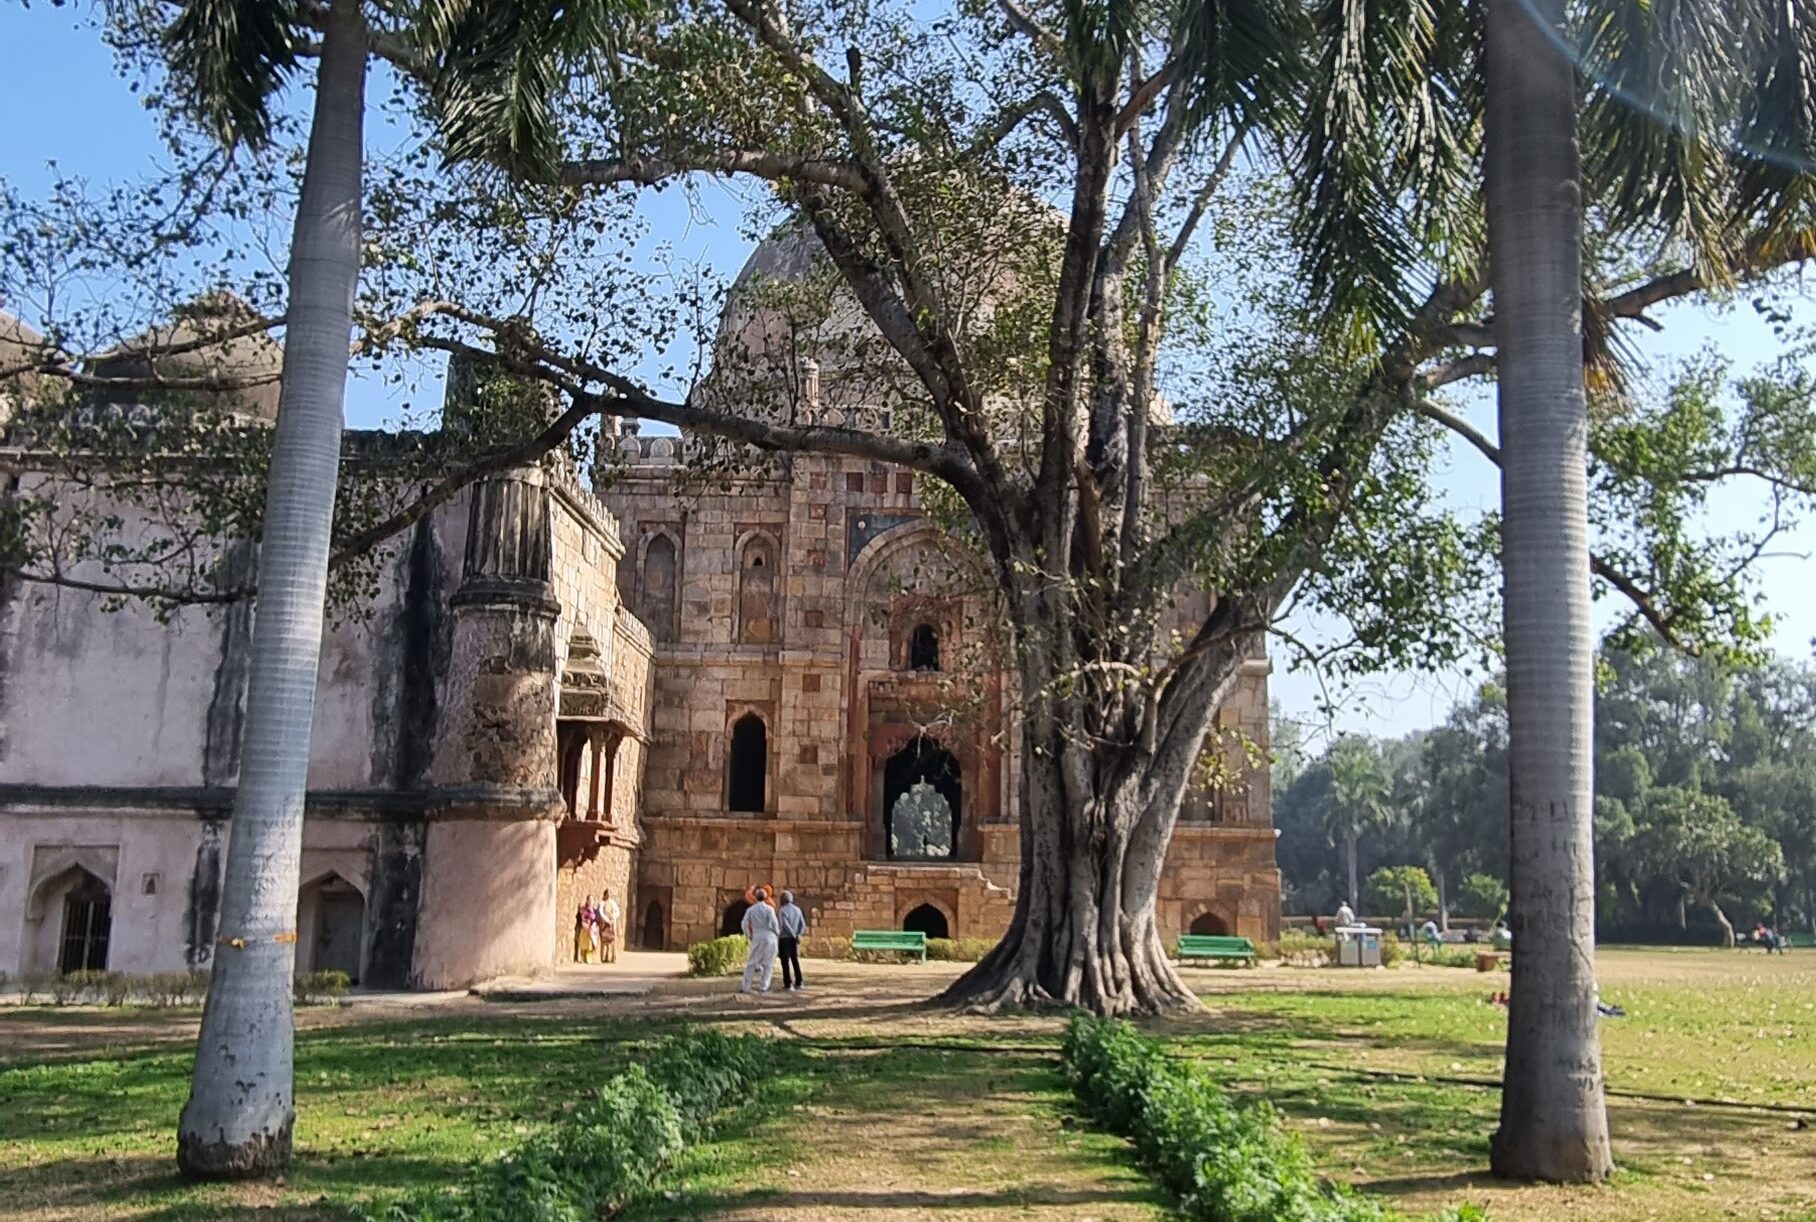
[[815, 947], [66, 987], [1392, 949], [959, 950], [174, 988], [1302, 948], [33, 985], [321, 988], [116, 987], [719, 957], [1225, 1163], [586, 1164], [1483, 895], [1447, 955]]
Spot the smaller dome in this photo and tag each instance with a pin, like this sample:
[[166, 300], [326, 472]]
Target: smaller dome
[[19, 344], [255, 361]]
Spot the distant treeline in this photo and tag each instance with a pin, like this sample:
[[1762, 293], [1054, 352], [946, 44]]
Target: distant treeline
[[1705, 809]]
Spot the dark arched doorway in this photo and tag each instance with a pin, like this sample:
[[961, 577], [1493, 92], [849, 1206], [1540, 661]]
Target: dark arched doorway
[[923, 801], [87, 925], [928, 920], [1210, 923], [654, 934], [747, 768], [733, 920]]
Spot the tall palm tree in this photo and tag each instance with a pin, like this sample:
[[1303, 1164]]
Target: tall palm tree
[[239, 1116], [1554, 1124], [1358, 802], [492, 67]]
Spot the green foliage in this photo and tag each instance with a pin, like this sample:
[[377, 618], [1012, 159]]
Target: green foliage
[[1300, 948], [1484, 896], [959, 950], [321, 988], [1394, 886], [718, 957], [1225, 1163], [611, 1147]]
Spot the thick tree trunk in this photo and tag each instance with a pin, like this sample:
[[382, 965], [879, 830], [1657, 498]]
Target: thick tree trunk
[[1095, 824], [1554, 1123], [1727, 926], [1437, 880], [1355, 888], [239, 1116]]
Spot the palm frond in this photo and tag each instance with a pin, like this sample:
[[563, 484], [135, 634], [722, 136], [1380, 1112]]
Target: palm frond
[[235, 54], [501, 67], [1385, 162], [1242, 60]]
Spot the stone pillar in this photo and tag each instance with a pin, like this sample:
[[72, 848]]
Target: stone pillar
[[488, 874]]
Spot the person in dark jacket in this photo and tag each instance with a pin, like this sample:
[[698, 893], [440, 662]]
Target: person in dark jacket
[[794, 928]]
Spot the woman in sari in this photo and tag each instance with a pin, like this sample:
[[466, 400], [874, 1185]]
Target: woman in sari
[[585, 937]]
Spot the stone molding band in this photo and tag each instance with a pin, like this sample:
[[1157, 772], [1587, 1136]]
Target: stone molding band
[[493, 803]]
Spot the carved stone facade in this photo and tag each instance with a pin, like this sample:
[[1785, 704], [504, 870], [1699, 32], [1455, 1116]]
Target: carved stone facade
[[829, 715], [669, 692], [476, 762]]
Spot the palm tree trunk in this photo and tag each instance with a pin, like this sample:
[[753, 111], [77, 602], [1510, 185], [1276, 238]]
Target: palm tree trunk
[[1554, 1123], [1355, 891], [1437, 880], [239, 1116]]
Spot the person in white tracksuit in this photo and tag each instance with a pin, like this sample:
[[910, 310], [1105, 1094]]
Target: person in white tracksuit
[[763, 930]]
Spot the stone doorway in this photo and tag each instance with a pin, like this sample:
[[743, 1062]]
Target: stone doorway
[[653, 934], [87, 925], [733, 920], [335, 912], [928, 920], [923, 802], [747, 768], [1209, 923]]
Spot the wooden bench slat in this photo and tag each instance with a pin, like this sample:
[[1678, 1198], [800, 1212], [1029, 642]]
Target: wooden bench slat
[[908, 941], [1214, 946]]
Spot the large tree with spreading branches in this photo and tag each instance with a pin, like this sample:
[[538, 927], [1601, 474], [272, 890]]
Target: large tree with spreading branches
[[1051, 225]]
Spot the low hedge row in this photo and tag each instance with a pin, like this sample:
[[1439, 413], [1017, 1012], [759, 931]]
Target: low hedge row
[[158, 989], [1225, 1163], [725, 956], [586, 1164]]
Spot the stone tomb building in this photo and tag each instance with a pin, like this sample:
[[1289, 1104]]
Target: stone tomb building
[[670, 689], [824, 716]]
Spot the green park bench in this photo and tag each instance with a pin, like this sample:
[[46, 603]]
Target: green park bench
[[1214, 946], [907, 941], [1801, 941]]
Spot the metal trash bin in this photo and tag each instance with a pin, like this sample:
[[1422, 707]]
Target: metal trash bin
[[1358, 946]]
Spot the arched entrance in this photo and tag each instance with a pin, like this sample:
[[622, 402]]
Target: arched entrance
[[654, 933], [747, 768], [733, 920], [928, 920], [1209, 923], [87, 924], [923, 801], [331, 913]]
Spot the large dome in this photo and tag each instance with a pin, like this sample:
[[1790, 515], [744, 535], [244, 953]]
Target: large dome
[[19, 344], [254, 361], [793, 335]]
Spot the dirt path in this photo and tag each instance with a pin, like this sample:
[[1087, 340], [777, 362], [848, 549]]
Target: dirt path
[[922, 1133]]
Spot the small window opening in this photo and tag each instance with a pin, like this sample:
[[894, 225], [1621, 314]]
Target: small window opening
[[924, 648]]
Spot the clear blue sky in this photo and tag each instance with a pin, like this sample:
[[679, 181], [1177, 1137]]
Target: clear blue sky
[[69, 106]]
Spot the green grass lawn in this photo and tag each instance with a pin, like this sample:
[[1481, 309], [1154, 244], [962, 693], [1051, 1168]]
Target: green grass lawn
[[883, 1110], [379, 1108]]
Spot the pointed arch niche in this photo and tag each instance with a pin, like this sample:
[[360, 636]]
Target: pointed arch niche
[[659, 584], [758, 584]]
